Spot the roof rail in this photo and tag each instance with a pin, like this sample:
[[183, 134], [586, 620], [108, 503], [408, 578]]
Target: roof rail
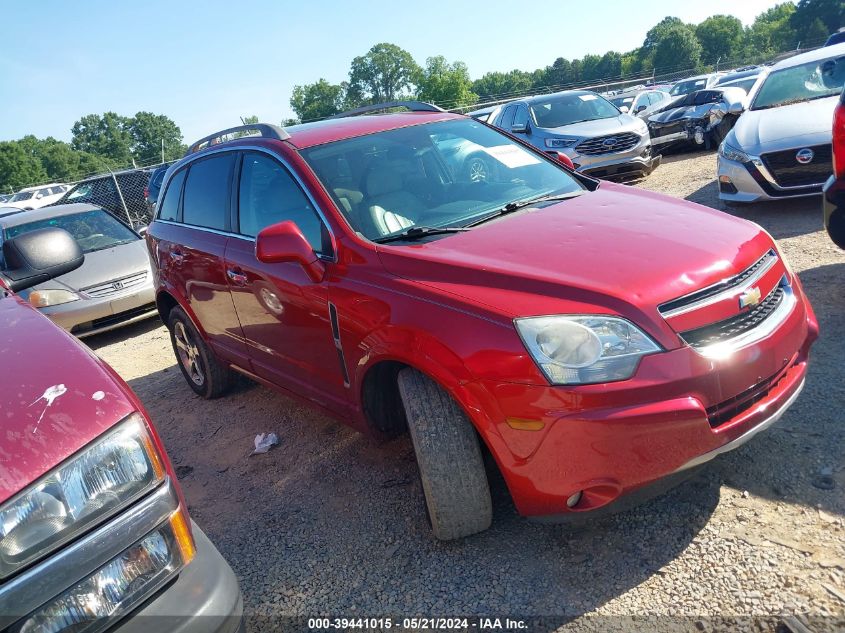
[[267, 130], [413, 106]]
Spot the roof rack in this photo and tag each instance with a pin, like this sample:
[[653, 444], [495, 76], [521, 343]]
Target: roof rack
[[413, 106], [267, 130]]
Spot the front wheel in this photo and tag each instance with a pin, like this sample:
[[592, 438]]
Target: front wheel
[[205, 374], [449, 458], [477, 169]]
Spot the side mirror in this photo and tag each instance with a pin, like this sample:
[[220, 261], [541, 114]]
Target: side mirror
[[640, 109], [519, 128], [284, 242], [142, 230], [38, 256], [737, 107], [623, 109], [564, 159]]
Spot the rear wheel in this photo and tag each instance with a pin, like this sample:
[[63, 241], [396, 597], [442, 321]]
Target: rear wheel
[[449, 458], [205, 374]]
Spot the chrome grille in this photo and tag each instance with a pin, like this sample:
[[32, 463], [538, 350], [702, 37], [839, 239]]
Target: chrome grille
[[788, 172], [737, 325], [687, 302], [116, 285], [608, 144]]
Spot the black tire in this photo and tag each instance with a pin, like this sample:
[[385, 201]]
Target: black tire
[[451, 467], [203, 372]]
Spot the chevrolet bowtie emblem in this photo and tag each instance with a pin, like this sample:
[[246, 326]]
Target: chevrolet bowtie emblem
[[750, 297]]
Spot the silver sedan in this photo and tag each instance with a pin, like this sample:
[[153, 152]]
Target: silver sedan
[[114, 287]]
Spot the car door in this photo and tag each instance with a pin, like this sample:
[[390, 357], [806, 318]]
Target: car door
[[189, 239], [285, 315]]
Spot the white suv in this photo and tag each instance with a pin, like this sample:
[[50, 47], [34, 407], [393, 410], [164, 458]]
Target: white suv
[[37, 197]]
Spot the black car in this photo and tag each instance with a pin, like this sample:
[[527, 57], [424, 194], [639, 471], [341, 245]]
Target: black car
[[120, 193], [701, 118], [154, 187]]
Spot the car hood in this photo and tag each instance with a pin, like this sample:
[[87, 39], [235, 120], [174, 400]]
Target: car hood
[[599, 127], [56, 396], [104, 266], [618, 250], [799, 124]]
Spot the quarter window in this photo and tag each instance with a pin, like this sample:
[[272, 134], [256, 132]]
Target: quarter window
[[169, 209], [206, 199], [268, 195]]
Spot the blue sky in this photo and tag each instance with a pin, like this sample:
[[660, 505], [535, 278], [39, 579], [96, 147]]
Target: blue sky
[[204, 64]]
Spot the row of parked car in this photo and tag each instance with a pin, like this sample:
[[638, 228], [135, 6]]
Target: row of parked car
[[374, 267]]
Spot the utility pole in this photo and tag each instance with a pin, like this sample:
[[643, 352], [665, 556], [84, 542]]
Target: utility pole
[[162, 150]]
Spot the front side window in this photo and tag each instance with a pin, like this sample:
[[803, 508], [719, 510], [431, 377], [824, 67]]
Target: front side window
[[567, 109], [445, 174], [22, 195], [169, 209], [268, 195], [520, 116], [93, 230], [813, 80], [206, 198], [507, 118]]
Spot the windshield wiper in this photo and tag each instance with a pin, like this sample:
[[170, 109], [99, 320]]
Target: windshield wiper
[[418, 232], [516, 205]]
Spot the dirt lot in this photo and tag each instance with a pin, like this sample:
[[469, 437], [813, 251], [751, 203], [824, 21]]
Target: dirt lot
[[331, 522]]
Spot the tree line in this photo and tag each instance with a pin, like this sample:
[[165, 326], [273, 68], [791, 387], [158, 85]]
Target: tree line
[[387, 72]]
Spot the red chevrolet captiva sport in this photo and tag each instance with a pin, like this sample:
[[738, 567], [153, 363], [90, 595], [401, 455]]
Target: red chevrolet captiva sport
[[421, 270]]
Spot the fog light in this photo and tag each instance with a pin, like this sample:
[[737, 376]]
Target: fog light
[[574, 499], [726, 186], [698, 135], [121, 584]]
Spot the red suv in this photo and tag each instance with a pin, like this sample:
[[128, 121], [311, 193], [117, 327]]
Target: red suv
[[94, 531], [594, 338]]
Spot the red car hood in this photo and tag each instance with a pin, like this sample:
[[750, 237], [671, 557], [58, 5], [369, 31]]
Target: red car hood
[[617, 249], [56, 396]]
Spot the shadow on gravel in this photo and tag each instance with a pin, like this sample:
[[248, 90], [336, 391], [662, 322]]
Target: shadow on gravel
[[331, 517], [121, 334], [781, 218]]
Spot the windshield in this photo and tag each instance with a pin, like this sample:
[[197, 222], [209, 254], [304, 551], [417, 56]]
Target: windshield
[[22, 195], [688, 86], [813, 80], [94, 230], [572, 108], [436, 175]]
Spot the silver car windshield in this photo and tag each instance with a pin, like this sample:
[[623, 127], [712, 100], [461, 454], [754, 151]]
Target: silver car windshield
[[435, 175], [813, 80], [567, 109], [94, 230]]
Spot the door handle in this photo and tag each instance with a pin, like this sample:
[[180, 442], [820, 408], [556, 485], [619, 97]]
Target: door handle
[[237, 276]]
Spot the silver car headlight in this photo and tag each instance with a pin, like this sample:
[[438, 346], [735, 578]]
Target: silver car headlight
[[51, 297], [732, 153], [104, 477], [559, 143], [584, 349]]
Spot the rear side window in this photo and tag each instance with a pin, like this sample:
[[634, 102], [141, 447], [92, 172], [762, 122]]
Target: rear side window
[[268, 195], [206, 199], [169, 209]]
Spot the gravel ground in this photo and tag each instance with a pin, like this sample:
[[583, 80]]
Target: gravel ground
[[331, 522]]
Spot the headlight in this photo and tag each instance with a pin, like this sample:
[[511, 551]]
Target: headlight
[[116, 588], [579, 350], [105, 476], [732, 153], [558, 143], [44, 298]]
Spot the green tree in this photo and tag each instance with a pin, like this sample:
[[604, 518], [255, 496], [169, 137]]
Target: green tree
[[814, 20], [445, 84], [557, 75], [653, 38], [720, 36], [318, 100], [385, 73], [497, 85], [153, 135], [18, 167], [677, 50], [609, 66], [108, 136], [771, 32]]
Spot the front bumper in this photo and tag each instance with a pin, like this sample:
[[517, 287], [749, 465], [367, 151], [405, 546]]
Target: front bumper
[[751, 182], [204, 598], [637, 161], [679, 411], [93, 316]]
